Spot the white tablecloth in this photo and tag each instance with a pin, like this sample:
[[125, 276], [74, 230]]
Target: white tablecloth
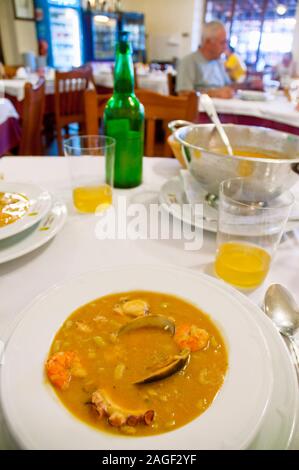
[[7, 110], [75, 249], [155, 81], [278, 110], [16, 87]]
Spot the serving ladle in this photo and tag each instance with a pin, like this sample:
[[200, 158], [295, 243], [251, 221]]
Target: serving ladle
[[209, 108], [282, 309]]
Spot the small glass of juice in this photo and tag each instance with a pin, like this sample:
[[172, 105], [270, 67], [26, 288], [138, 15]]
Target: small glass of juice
[[91, 164], [249, 231]]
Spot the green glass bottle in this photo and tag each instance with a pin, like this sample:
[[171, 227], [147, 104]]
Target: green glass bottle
[[124, 119]]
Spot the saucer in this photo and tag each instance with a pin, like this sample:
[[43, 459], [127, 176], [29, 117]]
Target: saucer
[[172, 197]]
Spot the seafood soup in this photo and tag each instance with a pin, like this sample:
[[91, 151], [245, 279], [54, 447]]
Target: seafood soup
[[137, 363]]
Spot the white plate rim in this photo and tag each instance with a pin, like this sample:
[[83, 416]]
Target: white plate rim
[[156, 268], [251, 95], [292, 383], [42, 198], [38, 237], [208, 225]]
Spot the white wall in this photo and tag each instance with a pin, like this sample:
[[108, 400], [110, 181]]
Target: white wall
[[169, 25], [17, 36], [26, 36], [7, 31]]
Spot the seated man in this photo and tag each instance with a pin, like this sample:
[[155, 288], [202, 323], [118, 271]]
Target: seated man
[[203, 70]]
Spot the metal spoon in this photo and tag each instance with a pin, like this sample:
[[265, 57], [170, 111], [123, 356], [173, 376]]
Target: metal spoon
[[282, 309], [209, 108]]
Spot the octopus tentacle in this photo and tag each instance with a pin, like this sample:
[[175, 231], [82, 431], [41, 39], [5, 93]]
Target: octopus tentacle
[[117, 416]]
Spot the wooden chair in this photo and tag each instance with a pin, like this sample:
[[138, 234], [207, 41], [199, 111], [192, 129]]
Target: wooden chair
[[171, 84], [32, 119], [9, 71], [94, 105], [165, 108], [136, 80], [69, 92], [156, 106]]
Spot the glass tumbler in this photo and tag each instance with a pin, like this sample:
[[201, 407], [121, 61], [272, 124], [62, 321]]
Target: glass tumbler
[[249, 232]]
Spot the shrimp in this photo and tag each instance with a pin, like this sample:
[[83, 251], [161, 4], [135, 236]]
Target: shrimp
[[191, 337], [62, 366]]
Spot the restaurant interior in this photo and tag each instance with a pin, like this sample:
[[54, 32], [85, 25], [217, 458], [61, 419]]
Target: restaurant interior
[[149, 224]]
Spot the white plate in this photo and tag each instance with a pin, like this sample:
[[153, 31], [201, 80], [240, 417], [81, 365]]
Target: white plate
[[37, 419], [40, 204], [278, 427], [34, 237], [172, 197], [251, 95]]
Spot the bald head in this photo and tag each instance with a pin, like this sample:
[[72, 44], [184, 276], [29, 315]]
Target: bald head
[[213, 40]]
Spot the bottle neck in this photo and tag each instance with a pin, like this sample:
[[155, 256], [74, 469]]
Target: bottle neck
[[124, 71]]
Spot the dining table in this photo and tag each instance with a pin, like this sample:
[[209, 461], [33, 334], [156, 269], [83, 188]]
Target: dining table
[[10, 129], [155, 80], [275, 112], [76, 249]]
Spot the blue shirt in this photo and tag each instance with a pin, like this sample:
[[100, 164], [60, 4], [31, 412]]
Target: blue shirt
[[196, 72]]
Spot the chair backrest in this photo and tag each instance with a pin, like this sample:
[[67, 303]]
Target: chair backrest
[[32, 119], [94, 105], [165, 108], [69, 91], [171, 79], [104, 90], [136, 80], [10, 70], [156, 106]]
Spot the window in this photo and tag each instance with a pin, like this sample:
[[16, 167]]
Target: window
[[258, 33]]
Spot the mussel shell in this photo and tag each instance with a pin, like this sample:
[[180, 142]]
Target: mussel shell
[[177, 363], [149, 321]]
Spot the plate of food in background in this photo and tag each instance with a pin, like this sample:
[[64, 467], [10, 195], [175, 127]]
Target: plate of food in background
[[22, 205]]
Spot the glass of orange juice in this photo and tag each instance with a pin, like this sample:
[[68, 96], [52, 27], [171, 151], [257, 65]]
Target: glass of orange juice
[[249, 231], [91, 164]]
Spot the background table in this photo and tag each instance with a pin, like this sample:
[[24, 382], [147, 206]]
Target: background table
[[154, 80], [278, 113], [10, 130], [76, 250]]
